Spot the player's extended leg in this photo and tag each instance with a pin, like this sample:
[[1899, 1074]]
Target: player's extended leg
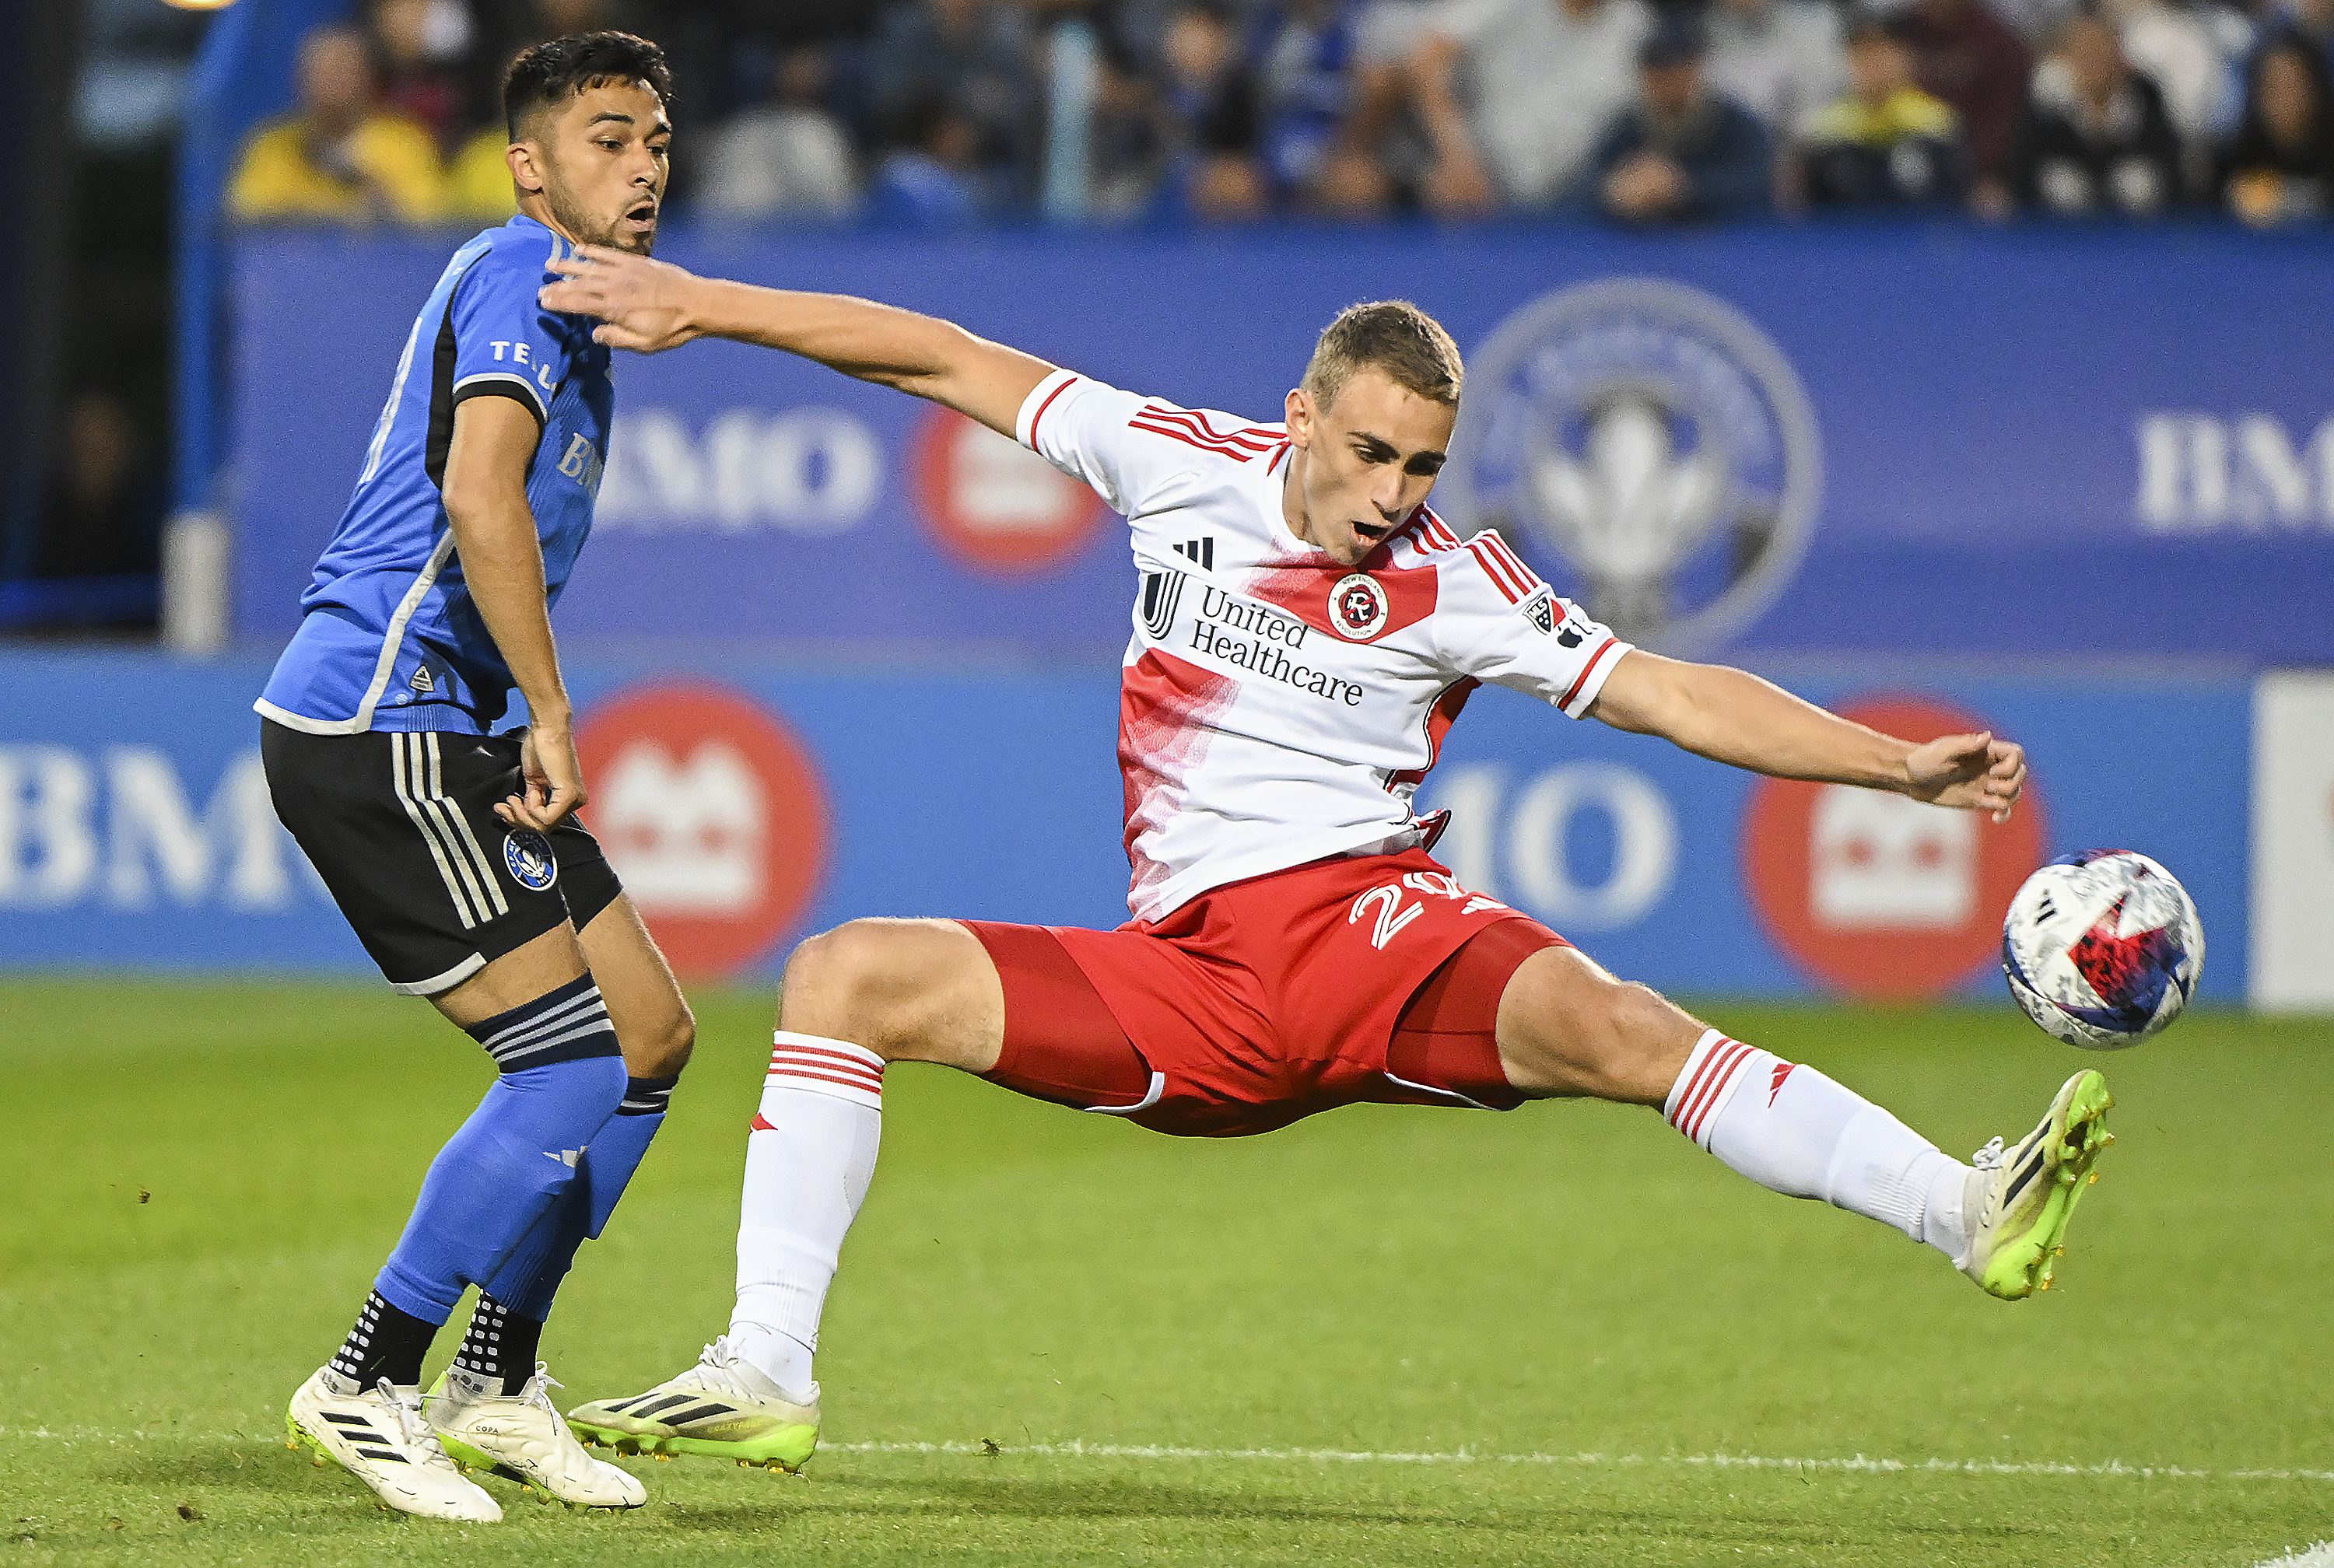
[[1567, 1027], [498, 1413], [869, 993], [537, 1011]]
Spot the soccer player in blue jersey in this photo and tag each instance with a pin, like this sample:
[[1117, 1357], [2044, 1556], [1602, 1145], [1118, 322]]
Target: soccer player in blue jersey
[[443, 821]]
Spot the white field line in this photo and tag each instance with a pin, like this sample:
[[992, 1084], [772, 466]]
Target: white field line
[[1857, 1464], [2320, 1555]]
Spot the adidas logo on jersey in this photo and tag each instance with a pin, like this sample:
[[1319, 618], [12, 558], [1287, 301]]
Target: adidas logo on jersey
[[423, 681], [1201, 552]]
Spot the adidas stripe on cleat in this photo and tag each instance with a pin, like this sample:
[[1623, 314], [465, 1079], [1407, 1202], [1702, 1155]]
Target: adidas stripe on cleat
[[380, 1436], [722, 1408], [2021, 1198], [521, 1438]]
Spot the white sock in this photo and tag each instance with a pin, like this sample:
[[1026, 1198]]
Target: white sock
[[1790, 1128], [808, 1160]]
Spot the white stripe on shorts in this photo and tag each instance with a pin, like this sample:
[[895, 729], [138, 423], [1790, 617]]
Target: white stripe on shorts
[[460, 838], [400, 763]]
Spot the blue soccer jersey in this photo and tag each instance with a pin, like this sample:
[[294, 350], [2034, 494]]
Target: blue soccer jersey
[[389, 639]]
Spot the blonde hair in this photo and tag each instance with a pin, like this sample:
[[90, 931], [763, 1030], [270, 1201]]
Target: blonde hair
[[1394, 336]]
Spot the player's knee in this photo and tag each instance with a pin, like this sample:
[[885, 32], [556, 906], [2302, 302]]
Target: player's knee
[[859, 982], [1636, 1031], [666, 1050], [1581, 1032]]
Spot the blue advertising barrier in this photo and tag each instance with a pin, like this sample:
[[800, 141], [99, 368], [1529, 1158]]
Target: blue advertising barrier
[[2115, 443], [135, 829]]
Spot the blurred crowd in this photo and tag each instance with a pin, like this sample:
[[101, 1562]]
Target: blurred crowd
[[935, 113]]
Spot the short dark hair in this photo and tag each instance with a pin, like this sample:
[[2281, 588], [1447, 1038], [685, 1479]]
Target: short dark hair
[[546, 75], [1393, 336]]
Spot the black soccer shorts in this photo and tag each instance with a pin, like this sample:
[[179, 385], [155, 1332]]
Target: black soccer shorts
[[402, 829]]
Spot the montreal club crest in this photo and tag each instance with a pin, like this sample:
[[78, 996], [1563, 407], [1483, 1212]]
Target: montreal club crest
[[1649, 449], [1357, 607], [527, 855]]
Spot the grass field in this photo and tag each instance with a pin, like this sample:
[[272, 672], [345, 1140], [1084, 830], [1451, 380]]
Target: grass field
[[1386, 1335]]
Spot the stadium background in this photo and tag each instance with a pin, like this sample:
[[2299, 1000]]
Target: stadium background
[[837, 655]]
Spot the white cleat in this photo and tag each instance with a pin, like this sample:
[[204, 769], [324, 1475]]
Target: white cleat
[[380, 1435], [724, 1407], [521, 1437]]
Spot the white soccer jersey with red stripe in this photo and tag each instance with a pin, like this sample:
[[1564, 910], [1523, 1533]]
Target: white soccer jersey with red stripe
[[1278, 708]]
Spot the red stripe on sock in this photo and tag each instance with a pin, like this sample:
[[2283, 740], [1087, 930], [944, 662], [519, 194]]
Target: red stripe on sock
[[866, 1085], [1718, 1089], [782, 1062], [868, 1061], [1716, 1069], [1714, 1088], [1693, 1086]]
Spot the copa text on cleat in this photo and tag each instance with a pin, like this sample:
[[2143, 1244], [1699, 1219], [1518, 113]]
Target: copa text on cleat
[[521, 1438], [2021, 1197]]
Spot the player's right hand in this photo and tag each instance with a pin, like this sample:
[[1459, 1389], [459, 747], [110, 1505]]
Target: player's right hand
[[553, 779], [644, 303]]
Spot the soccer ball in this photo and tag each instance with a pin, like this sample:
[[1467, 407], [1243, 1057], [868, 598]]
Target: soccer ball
[[2102, 949]]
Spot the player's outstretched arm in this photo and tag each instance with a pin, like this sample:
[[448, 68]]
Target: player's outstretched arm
[[1731, 716], [650, 306], [485, 491]]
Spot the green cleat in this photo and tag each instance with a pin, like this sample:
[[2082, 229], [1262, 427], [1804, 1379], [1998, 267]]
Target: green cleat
[[723, 1407], [2021, 1196]]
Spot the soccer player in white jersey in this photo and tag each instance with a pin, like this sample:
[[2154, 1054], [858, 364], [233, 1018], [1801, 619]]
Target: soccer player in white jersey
[[1304, 632]]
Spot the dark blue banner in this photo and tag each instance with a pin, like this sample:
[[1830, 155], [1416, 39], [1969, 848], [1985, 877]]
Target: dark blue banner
[[2117, 444]]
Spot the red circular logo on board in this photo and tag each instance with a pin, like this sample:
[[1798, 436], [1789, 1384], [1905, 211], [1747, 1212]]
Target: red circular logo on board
[[710, 811], [992, 502], [1878, 894]]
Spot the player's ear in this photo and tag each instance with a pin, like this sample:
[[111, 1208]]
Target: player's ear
[[1298, 411], [525, 160]]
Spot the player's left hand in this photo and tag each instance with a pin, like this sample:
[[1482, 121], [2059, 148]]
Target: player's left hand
[[644, 303], [554, 779], [1975, 772]]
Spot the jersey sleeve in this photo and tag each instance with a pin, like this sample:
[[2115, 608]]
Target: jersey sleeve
[[504, 343], [1498, 622], [1089, 431]]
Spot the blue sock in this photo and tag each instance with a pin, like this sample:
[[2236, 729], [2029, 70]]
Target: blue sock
[[531, 1274], [516, 1156]]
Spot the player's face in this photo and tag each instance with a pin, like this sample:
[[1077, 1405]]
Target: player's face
[[603, 162], [1368, 460]]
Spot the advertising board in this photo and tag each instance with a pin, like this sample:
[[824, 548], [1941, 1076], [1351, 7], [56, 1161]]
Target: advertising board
[[746, 804], [2293, 842], [1953, 443]]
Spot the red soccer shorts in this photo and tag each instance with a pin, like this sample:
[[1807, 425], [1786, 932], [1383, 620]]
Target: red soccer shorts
[[1371, 978]]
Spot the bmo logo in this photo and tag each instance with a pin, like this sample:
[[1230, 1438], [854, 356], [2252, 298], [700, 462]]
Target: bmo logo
[[992, 502], [1517, 840], [1879, 895], [711, 813]]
